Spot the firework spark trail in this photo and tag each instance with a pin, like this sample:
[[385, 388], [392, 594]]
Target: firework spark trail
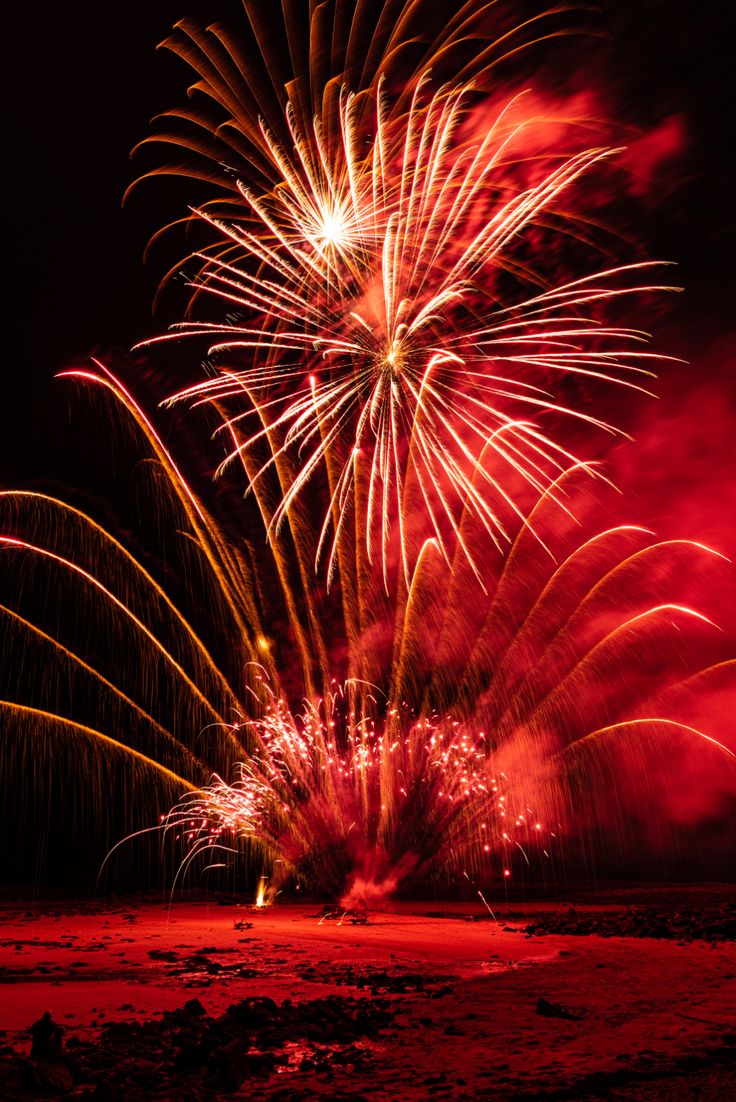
[[375, 336], [364, 785], [326, 793], [353, 807], [402, 360], [254, 89]]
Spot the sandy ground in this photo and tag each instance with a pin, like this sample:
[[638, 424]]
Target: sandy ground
[[650, 1018]]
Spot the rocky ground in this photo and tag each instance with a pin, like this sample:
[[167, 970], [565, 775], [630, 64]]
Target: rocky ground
[[627, 995]]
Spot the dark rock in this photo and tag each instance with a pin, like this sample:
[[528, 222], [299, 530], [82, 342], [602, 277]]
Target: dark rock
[[186, 1055], [705, 923], [55, 1074], [163, 954], [254, 1012], [261, 1063], [119, 1031], [16, 1075], [229, 1065], [107, 1091], [193, 1056], [554, 1010]]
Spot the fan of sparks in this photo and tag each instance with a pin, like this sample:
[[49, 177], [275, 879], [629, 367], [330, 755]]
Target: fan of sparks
[[358, 806], [369, 326]]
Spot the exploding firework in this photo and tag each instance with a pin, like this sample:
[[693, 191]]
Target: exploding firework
[[491, 722], [349, 807], [405, 361], [284, 68], [377, 234], [375, 338]]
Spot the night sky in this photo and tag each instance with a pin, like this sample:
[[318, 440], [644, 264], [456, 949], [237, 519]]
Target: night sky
[[85, 81], [81, 817]]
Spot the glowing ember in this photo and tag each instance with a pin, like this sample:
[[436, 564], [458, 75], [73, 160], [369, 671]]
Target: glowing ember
[[260, 900]]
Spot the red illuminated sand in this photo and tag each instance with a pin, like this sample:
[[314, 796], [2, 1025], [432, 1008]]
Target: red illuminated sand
[[471, 1030]]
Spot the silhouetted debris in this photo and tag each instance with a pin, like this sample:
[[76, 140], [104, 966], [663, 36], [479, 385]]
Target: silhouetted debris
[[716, 923], [196, 964], [333, 912], [241, 924], [167, 955], [330, 910], [189, 1055]]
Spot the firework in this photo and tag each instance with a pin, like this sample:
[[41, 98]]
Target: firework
[[367, 226], [284, 68], [349, 806], [375, 341], [395, 361], [474, 728]]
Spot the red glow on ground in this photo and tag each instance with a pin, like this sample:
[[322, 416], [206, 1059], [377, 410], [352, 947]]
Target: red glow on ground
[[448, 977]]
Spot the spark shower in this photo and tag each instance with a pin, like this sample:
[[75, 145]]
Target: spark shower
[[429, 653]]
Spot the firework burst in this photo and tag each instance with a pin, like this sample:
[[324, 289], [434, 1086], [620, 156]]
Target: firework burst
[[368, 331], [346, 805], [394, 361], [473, 718]]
